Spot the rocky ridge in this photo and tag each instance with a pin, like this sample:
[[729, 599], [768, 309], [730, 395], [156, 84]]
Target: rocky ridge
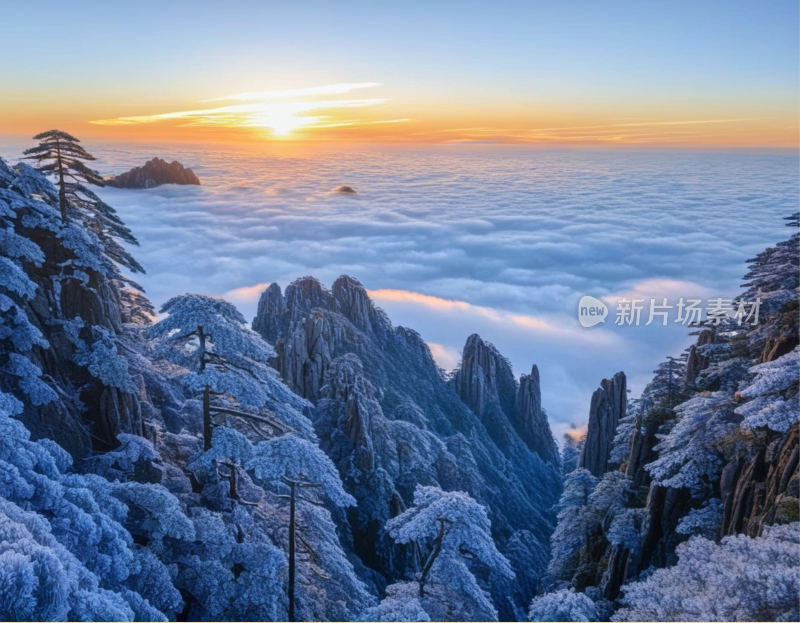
[[391, 419]]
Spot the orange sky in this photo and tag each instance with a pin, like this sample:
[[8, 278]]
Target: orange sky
[[365, 113], [618, 73]]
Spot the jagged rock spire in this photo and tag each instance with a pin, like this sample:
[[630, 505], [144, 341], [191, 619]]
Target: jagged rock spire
[[485, 383], [609, 403], [530, 419], [270, 312]]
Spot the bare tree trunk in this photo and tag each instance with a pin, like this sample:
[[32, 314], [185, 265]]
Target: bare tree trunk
[[437, 548], [62, 188], [206, 392], [206, 418], [291, 553]]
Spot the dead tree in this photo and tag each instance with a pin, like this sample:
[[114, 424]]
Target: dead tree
[[307, 553]]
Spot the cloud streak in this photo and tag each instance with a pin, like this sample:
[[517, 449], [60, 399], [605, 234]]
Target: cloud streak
[[262, 112]]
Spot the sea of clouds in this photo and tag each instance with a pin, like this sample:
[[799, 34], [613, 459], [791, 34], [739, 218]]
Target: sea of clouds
[[471, 239]]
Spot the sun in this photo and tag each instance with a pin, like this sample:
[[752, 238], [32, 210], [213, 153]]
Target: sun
[[286, 118]]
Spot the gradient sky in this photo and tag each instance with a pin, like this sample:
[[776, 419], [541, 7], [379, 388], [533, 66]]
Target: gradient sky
[[658, 73]]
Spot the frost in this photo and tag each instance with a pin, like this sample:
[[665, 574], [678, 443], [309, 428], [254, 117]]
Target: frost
[[705, 521], [104, 362], [460, 532], [686, 455], [771, 404], [740, 579], [294, 457], [562, 605], [30, 380]]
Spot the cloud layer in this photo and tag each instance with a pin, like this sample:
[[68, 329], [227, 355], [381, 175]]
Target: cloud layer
[[458, 240]]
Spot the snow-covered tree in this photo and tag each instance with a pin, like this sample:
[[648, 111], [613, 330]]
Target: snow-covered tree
[[570, 453], [688, 456], [562, 605], [572, 529], [225, 361], [667, 387], [60, 155], [18, 335], [739, 579], [705, 521], [65, 553], [455, 532], [772, 397], [401, 603], [326, 587]]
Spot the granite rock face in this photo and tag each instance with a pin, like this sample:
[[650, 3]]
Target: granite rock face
[[530, 419], [608, 407], [762, 487], [154, 173], [485, 383]]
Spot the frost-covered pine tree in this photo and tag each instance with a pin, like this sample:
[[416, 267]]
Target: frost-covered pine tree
[[562, 605], [454, 533], [18, 335], [323, 583], [687, 455], [221, 358], [65, 553], [739, 579], [60, 155], [772, 397], [573, 527]]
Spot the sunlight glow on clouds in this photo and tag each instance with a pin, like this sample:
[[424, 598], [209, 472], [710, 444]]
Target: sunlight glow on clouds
[[537, 327], [262, 112]]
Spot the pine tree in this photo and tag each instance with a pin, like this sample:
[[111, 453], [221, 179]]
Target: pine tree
[[456, 531], [220, 358], [60, 155], [739, 579]]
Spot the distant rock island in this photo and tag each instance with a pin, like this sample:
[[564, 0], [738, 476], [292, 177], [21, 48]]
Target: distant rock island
[[154, 173], [346, 190]]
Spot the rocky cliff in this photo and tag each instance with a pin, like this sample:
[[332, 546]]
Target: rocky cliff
[[154, 173]]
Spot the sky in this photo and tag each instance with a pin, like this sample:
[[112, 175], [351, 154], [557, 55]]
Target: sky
[[707, 74]]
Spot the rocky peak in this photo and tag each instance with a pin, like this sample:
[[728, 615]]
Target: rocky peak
[[530, 420], [354, 302], [270, 311], [485, 377], [307, 293], [485, 383], [154, 173], [608, 407]]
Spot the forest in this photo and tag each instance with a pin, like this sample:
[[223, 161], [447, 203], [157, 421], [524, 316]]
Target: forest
[[316, 463]]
